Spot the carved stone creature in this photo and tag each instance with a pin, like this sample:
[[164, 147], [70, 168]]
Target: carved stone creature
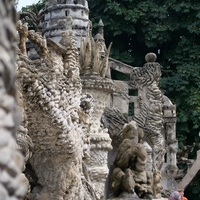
[[149, 113], [130, 175], [150, 118], [131, 136], [150, 105]]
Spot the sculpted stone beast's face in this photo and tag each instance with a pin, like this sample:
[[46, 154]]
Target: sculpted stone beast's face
[[130, 132], [133, 132]]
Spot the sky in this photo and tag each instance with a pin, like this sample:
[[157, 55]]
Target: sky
[[23, 3]]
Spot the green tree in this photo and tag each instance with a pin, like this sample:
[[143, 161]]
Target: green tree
[[171, 29], [33, 15]]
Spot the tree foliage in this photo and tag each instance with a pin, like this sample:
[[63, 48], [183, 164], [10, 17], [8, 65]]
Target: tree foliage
[[171, 29], [33, 14]]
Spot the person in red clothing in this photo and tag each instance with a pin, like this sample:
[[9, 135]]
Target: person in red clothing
[[181, 191]]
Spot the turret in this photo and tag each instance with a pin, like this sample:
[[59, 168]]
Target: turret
[[55, 13]]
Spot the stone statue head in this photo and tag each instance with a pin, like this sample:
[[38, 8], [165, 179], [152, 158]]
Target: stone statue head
[[133, 132]]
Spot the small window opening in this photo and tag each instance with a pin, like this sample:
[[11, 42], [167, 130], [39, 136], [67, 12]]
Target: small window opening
[[116, 75], [131, 109], [67, 13], [133, 92]]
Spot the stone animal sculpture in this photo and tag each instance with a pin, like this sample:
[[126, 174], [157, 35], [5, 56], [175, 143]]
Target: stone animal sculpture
[[150, 116], [129, 174]]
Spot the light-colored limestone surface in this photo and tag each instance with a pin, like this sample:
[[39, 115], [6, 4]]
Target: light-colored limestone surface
[[93, 68], [56, 122], [12, 183]]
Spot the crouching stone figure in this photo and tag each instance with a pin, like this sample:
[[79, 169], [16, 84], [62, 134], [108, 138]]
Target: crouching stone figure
[[129, 175]]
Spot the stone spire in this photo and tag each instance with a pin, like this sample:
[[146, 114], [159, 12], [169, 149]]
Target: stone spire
[[55, 13], [101, 25], [100, 37]]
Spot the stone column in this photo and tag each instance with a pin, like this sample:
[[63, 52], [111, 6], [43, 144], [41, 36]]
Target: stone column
[[170, 167], [100, 141], [172, 142]]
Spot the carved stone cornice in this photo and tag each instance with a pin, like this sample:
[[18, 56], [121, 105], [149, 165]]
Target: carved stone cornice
[[96, 82]]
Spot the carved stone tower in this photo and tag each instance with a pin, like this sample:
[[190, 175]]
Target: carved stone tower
[[55, 13]]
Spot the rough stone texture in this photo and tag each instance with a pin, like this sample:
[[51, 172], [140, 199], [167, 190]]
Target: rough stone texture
[[12, 185], [68, 142], [94, 64], [56, 123], [152, 111], [130, 174]]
